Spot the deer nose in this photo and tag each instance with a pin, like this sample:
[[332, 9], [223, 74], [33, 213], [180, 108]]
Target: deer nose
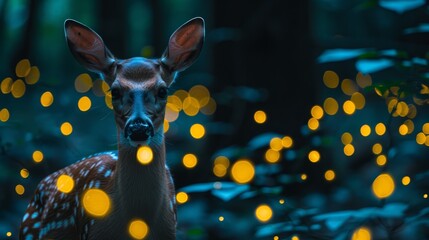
[[139, 130]]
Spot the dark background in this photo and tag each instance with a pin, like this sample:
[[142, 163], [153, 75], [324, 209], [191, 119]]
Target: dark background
[[258, 55]]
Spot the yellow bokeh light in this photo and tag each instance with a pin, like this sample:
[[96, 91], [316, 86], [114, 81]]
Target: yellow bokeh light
[[348, 87], [221, 218], [313, 124], [287, 142], [314, 156], [317, 112], [220, 166], [18, 88], [330, 105], [358, 99], [331, 79], [65, 183], [84, 103], [403, 129], [412, 113], [365, 130], [425, 128], [175, 103], [182, 94], [329, 175], [263, 213], [96, 202], [66, 128], [383, 186], [182, 197], [294, 237], [6, 85], [24, 173], [349, 150], [83, 83], [425, 195], [276, 143], [242, 171], [8, 234], [37, 156], [166, 125], [260, 116], [171, 114], [191, 106], [99, 87], [272, 156], [209, 108], [377, 148], [190, 160], [138, 229], [362, 233], [144, 155], [281, 201], [391, 104], [380, 129], [201, 93], [303, 177], [410, 125], [4, 115], [363, 80], [349, 107], [46, 99], [346, 138], [22, 68], [19, 189], [381, 160], [406, 180], [108, 100], [197, 131], [420, 138], [33, 76]]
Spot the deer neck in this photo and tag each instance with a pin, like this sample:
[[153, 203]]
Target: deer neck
[[140, 189]]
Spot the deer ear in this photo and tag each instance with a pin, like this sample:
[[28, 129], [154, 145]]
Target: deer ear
[[88, 47], [184, 45]]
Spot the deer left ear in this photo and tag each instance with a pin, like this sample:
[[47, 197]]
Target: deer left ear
[[185, 45]]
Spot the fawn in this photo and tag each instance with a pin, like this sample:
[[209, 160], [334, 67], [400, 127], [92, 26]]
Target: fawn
[[139, 89]]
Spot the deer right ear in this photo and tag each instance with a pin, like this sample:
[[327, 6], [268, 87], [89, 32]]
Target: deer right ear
[[88, 47]]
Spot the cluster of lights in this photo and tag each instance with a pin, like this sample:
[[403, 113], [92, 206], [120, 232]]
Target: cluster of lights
[[273, 153]]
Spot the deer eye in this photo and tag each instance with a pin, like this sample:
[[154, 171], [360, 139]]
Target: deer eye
[[116, 93], [162, 93]]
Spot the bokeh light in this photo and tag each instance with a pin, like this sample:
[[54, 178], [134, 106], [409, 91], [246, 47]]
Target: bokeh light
[[138, 229], [37, 156], [23, 68], [144, 155], [406, 180], [263, 213], [84, 103], [349, 150], [330, 105], [365, 130], [18, 88], [9, 234], [182, 197], [201, 93], [276, 143], [363, 81], [349, 107], [191, 106], [66, 128], [346, 138], [272, 156], [65, 183], [383, 186], [313, 124], [380, 129], [6, 85], [83, 83], [377, 148], [317, 112], [96, 202], [362, 233], [46, 99], [260, 117], [314, 156], [331, 79], [358, 99], [381, 160], [189, 160], [303, 177], [242, 171], [348, 87], [197, 131], [19, 189], [24, 173], [220, 166], [4, 115], [329, 175], [33, 76], [287, 142]]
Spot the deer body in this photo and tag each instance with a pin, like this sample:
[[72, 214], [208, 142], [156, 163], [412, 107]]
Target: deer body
[[135, 190]]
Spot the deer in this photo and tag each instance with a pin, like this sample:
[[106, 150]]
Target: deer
[[139, 91]]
